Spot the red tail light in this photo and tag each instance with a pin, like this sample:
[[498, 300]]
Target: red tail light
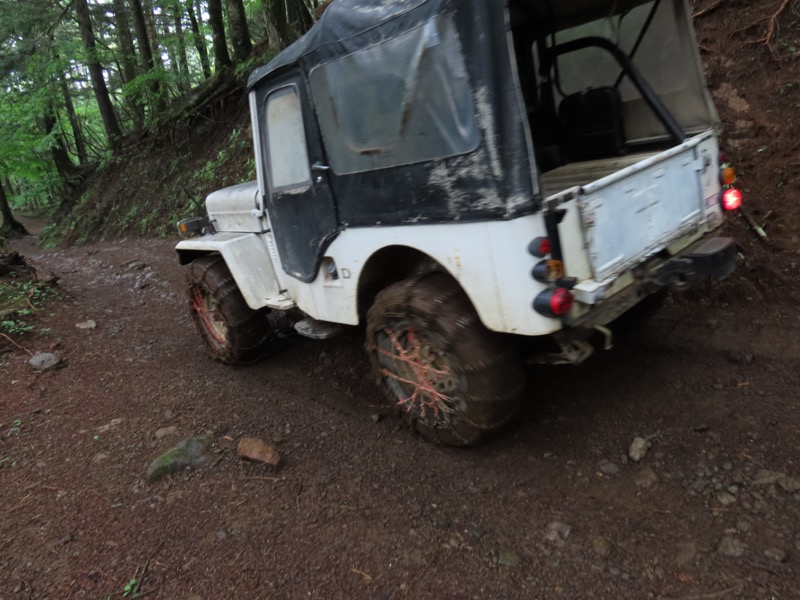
[[731, 199], [554, 302], [540, 247]]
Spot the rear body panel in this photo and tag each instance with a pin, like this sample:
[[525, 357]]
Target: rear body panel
[[639, 211]]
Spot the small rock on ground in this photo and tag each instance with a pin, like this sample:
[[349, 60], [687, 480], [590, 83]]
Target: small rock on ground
[[557, 532], [258, 450], [41, 361], [775, 554], [731, 546], [508, 558], [638, 449], [608, 467], [166, 432], [646, 477], [766, 477], [190, 452]]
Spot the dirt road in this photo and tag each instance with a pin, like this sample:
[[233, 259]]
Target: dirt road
[[361, 507]]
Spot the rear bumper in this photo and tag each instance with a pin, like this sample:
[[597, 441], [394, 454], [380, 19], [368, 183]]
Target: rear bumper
[[711, 257]]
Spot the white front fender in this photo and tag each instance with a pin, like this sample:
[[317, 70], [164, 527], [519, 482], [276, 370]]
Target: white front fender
[[247, 257]]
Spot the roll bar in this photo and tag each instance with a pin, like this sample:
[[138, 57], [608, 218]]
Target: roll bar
[[659, 108]]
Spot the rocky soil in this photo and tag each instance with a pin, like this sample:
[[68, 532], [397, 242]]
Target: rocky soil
[[664, 468]]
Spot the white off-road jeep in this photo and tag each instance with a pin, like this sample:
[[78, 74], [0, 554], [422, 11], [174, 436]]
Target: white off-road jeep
[[466, 175]]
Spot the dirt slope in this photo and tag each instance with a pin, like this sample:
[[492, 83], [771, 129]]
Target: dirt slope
[[362, 508], [754, 80]]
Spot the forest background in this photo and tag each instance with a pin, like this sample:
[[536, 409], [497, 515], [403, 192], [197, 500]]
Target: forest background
[[90, 86]]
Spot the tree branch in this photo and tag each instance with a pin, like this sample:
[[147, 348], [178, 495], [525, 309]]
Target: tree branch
[[708, 9], [773, 27]]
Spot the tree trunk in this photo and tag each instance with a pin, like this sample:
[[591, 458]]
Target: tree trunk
[[199, 40], [159, 101], [152, 34], [127, 60], [299, 17], [240, 33], [77, 132], [110, 123], [222, 59], [9, 224], [58, 148], [278, 24], [183, 61]]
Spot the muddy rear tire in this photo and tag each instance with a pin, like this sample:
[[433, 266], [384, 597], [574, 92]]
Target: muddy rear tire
[[452, 380], [233, 332]]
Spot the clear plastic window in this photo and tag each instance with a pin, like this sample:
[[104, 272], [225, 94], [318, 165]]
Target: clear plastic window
[[402, 101], [286, 140], [663, 56]]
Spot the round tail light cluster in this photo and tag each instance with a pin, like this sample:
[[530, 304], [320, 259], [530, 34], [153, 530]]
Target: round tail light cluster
[[555, 301], [731, 198]]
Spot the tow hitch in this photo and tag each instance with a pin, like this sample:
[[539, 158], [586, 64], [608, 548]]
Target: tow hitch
[[715, 257]]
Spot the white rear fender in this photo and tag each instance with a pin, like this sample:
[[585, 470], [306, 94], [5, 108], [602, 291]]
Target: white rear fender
[[247, 257], [489, 260]]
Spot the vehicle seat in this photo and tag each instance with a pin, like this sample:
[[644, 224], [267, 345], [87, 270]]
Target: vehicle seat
[[591, 124]]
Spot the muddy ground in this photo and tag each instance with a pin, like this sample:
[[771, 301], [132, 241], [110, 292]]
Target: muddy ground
[[363, 508]]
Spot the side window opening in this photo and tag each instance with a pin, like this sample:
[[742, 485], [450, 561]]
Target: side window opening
[[287, 152]]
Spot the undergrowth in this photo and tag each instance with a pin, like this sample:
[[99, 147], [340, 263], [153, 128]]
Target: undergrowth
[[21, 297], [156, 182]]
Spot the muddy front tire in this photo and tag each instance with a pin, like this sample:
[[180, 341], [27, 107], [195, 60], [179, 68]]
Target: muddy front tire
[[233, 332], [452, 380]]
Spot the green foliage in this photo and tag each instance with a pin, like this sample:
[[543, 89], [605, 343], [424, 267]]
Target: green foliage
[[15, 327], [142, 196], [20, 298], [217, 169], [130, 589], [43, 73], [243, 69]]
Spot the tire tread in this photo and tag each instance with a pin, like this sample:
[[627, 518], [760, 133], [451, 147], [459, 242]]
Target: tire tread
[[493, 373]]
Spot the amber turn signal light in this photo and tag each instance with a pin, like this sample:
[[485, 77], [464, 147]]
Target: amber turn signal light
[[727, 175]]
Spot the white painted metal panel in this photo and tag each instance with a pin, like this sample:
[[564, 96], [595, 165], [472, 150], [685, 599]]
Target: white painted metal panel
[[235, 208], [248, 259], [637, 212]]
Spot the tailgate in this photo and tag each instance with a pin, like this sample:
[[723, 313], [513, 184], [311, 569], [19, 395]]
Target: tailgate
[[636, 212]]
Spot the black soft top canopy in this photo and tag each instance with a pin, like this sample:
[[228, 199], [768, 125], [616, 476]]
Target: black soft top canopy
[[349, 25], [496, 179], [493, 173]]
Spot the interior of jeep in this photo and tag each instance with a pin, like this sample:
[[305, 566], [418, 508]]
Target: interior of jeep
[[607, 82]]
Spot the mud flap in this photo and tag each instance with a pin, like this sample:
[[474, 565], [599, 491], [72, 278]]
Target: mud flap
[[714, 257]]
